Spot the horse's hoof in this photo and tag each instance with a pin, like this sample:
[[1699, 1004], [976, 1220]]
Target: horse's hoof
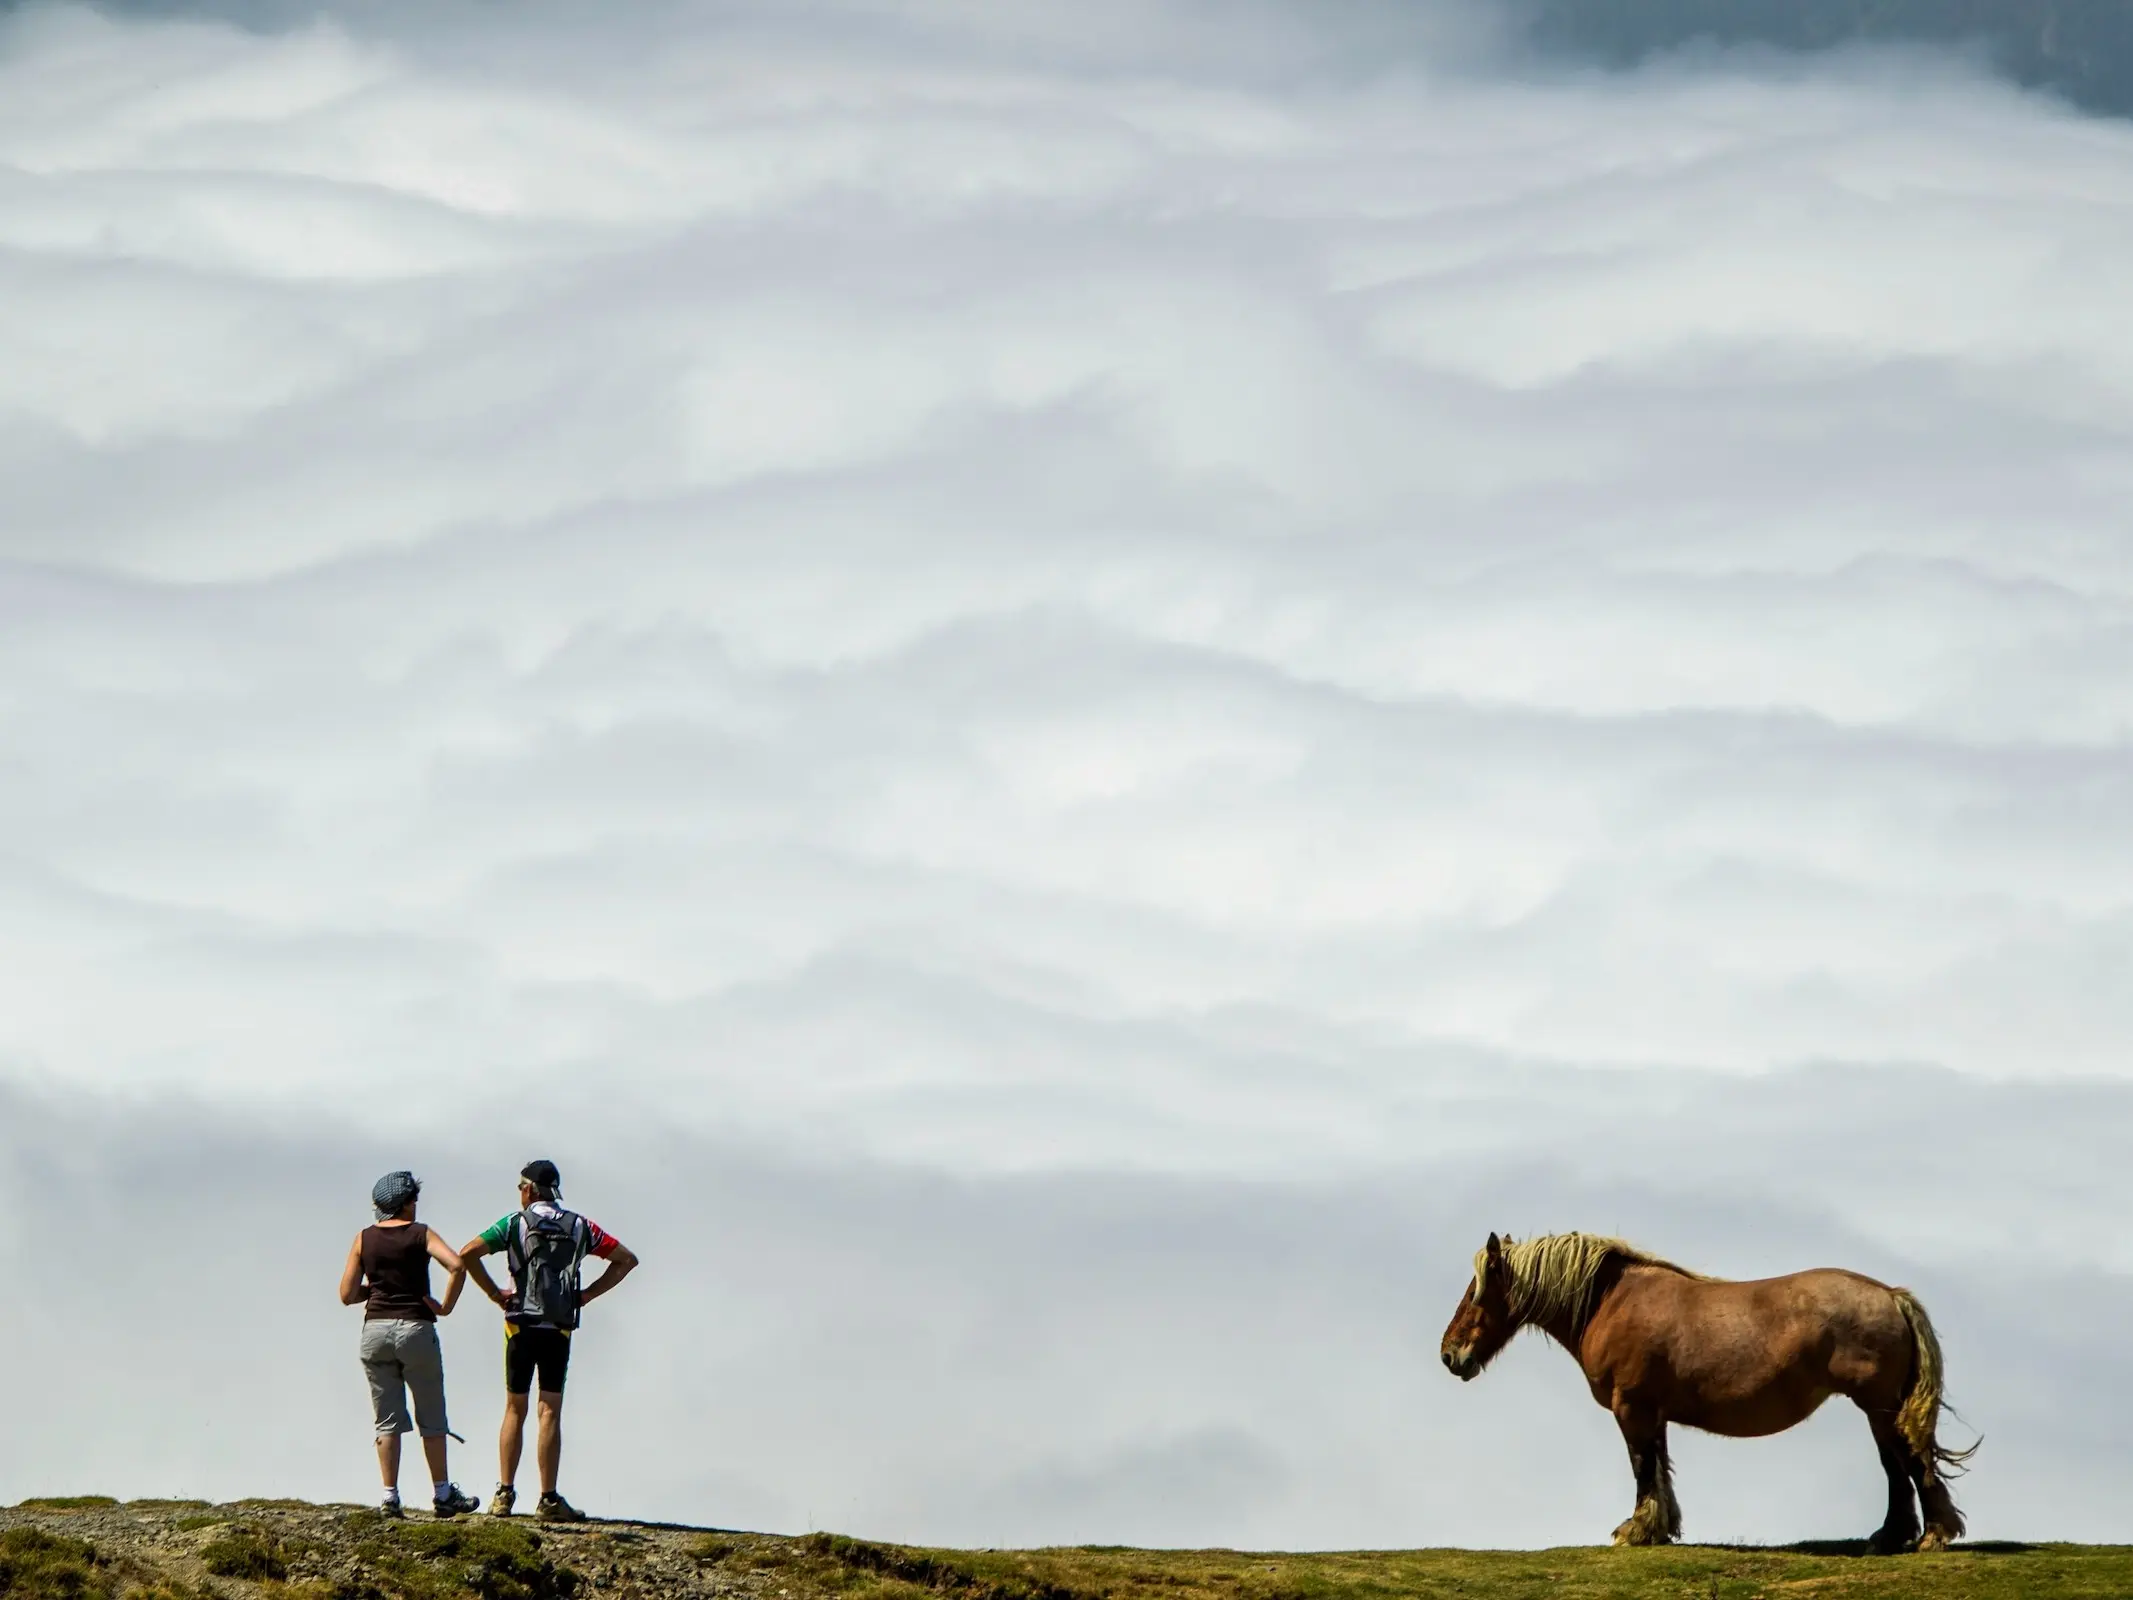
[[1932, 1539], [1891, 1542]]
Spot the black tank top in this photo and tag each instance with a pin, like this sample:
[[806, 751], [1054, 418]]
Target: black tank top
[[396, 1265]]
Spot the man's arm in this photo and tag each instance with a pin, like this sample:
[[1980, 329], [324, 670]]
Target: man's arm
[[352, 1290], [621, 1262], [470, 1255]]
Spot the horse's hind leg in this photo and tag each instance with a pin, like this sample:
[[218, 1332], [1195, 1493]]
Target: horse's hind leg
[[1899, 1529], [1908, 1472], [1657, 1519], [1943, 1522]]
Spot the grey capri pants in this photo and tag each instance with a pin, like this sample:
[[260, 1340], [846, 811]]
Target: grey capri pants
[[399, 1356]]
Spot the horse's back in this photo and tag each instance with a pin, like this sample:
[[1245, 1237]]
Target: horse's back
[[1749, 1357]]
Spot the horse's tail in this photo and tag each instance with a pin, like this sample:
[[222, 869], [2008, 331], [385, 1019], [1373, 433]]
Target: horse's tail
[[1918, 1420]]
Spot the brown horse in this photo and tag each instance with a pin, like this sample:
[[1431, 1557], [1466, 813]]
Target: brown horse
[[1662, 1345]]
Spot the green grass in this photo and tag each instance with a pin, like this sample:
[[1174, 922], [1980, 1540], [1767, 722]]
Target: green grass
[[68, 1502], [35, 1565], [246, 1552], [865, 1571], [449, 1560]]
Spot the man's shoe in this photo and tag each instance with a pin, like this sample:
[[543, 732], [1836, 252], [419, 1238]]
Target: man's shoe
[[501, 1502], [554, 1508], [452, 1503], [390, 1507]]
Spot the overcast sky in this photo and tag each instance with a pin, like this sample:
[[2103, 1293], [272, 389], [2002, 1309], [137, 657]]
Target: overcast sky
[[1059, 692]]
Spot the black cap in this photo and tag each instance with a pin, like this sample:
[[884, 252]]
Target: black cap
[[544, 1177]]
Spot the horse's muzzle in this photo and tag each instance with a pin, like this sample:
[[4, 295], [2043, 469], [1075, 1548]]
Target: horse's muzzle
[[1461, 1364]]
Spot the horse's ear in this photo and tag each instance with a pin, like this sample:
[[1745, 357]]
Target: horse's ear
[[1495, 1251]]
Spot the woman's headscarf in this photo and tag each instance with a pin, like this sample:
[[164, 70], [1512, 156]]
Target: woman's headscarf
[[393, 1193]]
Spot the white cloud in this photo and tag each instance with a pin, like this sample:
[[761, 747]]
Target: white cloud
[[1083, 1356], [1233, 594], [1179, 528]]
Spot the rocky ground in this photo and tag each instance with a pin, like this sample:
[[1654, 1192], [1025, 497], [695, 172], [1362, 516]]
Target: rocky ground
[[295, 1551]]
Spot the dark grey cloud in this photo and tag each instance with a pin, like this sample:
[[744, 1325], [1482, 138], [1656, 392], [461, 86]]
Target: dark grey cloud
[[2081, 51]]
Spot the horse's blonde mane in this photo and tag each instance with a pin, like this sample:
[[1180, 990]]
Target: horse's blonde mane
[[1554, 1279]]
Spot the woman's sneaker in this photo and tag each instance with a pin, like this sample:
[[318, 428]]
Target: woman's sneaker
[[451, 1503], [390, 1507], [554, 1508], [501, 1502]]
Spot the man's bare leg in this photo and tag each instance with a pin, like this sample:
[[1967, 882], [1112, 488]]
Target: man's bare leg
[[511, 1440], [433, 1453], [389, 1460], [550, 1446]]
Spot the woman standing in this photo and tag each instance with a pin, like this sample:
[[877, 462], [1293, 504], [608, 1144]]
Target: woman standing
[[389, 1271]]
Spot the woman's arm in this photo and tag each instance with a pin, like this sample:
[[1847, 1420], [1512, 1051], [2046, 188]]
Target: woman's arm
[[353, 1290], [448, 1258], [470, 1255]]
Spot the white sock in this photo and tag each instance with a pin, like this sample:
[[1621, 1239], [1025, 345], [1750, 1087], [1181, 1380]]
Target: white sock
[[392, 1493]]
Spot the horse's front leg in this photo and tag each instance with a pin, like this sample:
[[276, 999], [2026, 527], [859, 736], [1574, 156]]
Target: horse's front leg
[[1669, 1507], [1657, 1518]]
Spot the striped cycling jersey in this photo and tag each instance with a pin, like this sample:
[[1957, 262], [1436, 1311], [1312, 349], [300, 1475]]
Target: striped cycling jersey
[[498, 1238]]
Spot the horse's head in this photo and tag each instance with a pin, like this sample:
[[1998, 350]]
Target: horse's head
[[1483, 1324]]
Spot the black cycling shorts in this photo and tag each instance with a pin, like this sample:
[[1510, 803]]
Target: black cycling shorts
[[535, 1351]]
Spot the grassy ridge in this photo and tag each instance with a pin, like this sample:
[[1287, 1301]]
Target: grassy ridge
[[1988, 1572], [89, 1548]]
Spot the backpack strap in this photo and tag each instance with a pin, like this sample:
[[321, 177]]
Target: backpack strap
[[515, 1246], [580, 1243]]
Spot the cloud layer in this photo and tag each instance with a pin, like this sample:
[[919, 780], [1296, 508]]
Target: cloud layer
[[1243, 599], [1076, 1356]]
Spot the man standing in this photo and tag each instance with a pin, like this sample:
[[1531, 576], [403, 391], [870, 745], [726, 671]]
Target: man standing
[[546, 1247]]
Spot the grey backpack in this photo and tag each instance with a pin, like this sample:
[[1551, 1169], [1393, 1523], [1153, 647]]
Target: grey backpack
[[546, 1252]]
